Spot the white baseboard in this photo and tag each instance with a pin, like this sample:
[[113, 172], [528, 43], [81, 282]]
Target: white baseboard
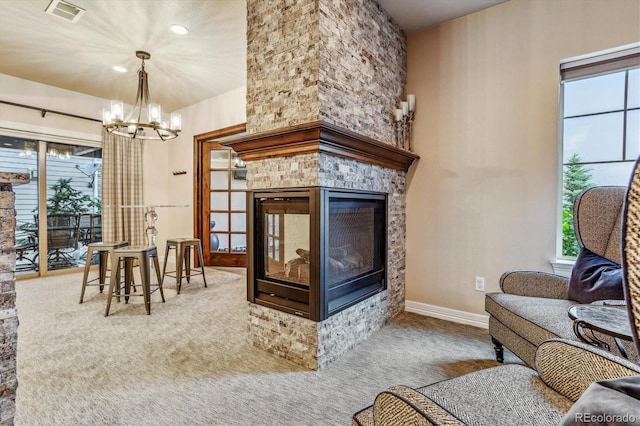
[[452, 315]]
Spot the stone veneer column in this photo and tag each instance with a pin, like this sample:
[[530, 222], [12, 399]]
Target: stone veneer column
[[342, 62], [8, 313], [305, 342]]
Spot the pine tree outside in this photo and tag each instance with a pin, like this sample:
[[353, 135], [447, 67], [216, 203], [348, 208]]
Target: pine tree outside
[[577, 178]]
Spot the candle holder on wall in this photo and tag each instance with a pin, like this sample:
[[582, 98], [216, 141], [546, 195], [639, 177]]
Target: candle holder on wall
[[404, 123]]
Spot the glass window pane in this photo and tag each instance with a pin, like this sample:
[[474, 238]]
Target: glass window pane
[[238, 201], [238, 222], [608, 173], [633, 134], [220, 242], [219, 200], [219, 180], [214, 242], [236, 161], [219, 159], [21, 156], [220, 221], [593, 138], [595, 94], [239, 243], [633, 100], [238, 179], [73, 203]]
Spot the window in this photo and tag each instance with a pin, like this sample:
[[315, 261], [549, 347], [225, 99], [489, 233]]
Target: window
[[59, 211], [227, 202], [600, 122]]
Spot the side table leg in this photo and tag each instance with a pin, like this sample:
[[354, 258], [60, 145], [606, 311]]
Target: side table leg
[[579, 328], [621, 348]]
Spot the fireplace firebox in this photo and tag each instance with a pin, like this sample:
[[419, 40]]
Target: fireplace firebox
[[315, 251]]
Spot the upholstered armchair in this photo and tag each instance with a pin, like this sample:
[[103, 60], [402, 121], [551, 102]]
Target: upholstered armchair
[[532, 306], [571, 382]]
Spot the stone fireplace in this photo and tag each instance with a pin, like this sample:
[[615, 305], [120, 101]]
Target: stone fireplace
[[328, 161], [323, 77], [315, 251]]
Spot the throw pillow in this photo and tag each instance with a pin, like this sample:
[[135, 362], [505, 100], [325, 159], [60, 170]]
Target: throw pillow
[[608, 402], [595, 278]]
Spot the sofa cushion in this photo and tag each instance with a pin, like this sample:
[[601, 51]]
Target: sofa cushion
[[595, 278], [535, 319]]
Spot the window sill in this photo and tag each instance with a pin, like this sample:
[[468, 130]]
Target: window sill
[[562, 267]]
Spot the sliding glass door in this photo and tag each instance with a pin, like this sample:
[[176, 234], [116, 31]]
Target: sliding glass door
[[59, 212]]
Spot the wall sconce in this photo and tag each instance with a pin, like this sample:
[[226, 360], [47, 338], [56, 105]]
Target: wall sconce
[[404, 122]]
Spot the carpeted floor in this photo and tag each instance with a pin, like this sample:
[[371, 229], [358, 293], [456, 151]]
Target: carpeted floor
[[188, 363]]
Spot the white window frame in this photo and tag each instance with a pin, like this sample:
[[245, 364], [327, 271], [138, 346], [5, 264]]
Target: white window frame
[[611, 62]]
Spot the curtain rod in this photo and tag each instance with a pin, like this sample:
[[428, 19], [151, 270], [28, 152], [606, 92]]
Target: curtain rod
[[44, 111]]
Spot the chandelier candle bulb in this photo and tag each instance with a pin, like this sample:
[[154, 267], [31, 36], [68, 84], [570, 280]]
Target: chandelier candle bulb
[[106, 117], [155, 113], [398, 114], [176, 121], [405, 107], [117, 109]]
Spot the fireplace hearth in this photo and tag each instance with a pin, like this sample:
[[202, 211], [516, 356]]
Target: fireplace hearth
[[316, 251]]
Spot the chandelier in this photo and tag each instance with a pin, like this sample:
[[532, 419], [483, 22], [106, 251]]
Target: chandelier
[[145, 121]]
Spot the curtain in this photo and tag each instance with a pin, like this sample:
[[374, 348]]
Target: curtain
[[122, 197]]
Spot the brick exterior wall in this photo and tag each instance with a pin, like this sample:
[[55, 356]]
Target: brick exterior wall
[[8, 312], [343, 62]]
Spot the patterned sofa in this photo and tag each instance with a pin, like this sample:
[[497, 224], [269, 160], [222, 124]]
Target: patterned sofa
[[569, 382]]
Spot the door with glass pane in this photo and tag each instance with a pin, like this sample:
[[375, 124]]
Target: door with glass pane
[[58, 212], [225, 201]]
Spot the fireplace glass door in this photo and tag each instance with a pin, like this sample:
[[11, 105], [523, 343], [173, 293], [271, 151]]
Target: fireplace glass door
[[286, 240], [316, 251], [356, 244]]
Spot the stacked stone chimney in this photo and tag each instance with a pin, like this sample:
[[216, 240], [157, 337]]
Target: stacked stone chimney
[[340, 62]]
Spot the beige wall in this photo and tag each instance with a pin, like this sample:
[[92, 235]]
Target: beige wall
[[14, 119], [483, 197]]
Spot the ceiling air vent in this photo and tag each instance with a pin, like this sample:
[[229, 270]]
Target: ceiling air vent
[[65, 10]]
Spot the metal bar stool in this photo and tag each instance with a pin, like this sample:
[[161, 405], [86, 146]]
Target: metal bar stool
[[183, 256], [103, 249], [144, 255]]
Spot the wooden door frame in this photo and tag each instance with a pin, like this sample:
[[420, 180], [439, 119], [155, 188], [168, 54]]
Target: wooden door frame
[[198, 175]]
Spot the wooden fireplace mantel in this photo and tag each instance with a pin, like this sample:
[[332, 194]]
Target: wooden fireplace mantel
[[319, 136]]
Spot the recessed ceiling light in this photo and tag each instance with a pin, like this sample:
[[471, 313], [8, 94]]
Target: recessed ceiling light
[[119, 68], [179, 29]]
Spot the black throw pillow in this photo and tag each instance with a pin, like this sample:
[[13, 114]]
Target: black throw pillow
[[595, 278]]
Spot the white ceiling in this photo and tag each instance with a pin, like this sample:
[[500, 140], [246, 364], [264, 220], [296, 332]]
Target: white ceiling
[[183, 70]]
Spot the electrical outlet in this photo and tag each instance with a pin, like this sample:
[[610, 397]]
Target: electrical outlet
[[480, 283]]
